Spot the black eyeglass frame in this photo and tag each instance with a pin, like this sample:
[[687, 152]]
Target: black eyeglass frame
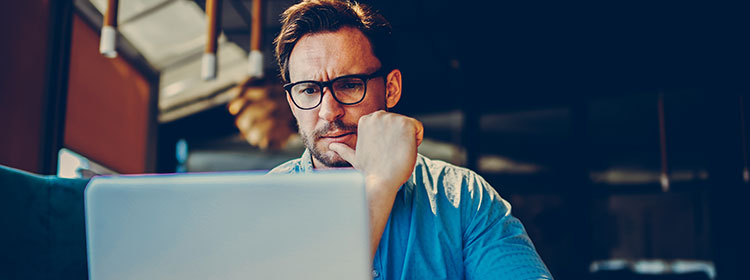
[[329, 84]]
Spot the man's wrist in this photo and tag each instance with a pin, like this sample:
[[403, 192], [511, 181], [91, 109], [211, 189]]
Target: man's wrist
[[377, 187]]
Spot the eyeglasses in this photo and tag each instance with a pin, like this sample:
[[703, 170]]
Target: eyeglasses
[[347, 90]]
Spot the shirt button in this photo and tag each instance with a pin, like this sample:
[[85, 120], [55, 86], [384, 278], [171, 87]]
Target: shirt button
[[375, 274]]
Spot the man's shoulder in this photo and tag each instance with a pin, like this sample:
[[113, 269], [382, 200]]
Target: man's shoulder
[[437, 176], [441, 168]]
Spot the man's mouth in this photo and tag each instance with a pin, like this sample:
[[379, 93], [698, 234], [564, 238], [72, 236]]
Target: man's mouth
[[338, 135]]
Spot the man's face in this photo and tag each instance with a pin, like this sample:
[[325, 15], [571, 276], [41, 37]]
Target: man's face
[[323, 57]]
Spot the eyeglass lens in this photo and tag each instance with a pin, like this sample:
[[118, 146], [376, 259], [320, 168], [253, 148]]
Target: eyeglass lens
[[348, 90]]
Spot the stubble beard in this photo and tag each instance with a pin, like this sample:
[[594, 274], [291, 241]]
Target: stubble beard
[[326, 158]]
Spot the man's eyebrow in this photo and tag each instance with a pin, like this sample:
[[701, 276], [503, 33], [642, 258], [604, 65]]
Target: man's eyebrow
[[339, 76]]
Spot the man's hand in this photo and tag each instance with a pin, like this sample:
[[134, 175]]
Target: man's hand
[[386, 148], [386, 153]]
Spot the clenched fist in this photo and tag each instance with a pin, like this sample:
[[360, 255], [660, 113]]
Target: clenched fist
[[386, 148]]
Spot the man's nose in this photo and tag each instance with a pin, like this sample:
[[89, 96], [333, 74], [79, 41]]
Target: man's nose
[[330, 109]]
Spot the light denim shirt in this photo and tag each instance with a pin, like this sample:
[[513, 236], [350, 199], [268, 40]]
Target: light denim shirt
[[447, 222]]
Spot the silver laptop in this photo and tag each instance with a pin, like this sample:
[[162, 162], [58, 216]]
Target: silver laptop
[[228, 226]]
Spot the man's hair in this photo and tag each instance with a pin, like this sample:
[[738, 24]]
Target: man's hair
[[314, 16]]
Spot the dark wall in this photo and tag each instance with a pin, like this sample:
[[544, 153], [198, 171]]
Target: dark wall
[[22, 89], [506, 55]]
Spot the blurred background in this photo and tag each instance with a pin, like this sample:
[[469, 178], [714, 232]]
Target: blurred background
[[617, 130]]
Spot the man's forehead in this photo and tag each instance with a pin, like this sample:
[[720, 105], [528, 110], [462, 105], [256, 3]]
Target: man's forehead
[[329, 54]]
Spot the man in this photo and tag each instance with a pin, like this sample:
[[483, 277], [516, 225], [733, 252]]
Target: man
[[429, 219]]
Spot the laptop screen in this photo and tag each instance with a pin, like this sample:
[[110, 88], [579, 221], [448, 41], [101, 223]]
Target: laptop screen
[[242, 225]]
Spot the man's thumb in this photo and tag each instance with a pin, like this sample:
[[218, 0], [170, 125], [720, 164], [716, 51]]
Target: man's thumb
[[347, 153]]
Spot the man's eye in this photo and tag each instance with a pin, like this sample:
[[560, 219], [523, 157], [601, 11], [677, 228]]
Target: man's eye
[[352, 85], [309, 90], [349, 85]]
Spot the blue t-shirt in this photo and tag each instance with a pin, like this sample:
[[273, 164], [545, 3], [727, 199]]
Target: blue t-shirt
[[447, 222]]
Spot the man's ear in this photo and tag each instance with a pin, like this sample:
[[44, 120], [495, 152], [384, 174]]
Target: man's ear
[[392, 88]]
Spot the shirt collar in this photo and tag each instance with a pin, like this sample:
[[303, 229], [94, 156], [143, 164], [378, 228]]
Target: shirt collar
[[305, 164]]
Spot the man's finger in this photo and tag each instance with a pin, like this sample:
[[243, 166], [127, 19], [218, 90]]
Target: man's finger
[[347, 153]]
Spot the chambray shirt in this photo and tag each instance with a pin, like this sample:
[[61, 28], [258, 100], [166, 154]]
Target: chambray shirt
[[447, 222]]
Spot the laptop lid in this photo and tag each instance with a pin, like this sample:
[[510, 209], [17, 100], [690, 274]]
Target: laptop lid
[[228, 226]]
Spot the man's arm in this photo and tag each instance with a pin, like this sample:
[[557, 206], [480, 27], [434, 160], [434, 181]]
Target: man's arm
[[496, 243], [386, 153]]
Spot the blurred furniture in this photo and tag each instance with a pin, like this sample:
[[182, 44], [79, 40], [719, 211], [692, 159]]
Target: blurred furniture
[[43, 232]]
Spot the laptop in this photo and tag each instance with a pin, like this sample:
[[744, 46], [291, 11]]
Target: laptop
[[241, 225]]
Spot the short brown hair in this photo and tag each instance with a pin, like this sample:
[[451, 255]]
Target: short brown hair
[[313, 16]]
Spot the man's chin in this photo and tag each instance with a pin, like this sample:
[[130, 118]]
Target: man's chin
[[330, 159], [339, 164]]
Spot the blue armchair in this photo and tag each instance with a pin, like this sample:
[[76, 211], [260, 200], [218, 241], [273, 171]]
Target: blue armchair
[[42, 226]]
